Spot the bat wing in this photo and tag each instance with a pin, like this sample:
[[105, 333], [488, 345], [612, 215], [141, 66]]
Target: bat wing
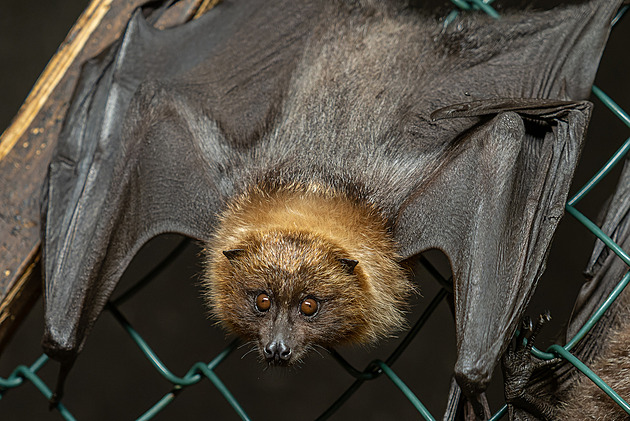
[[556, 382], [146, 148], [605, 269], [493, 209], [493, 200]]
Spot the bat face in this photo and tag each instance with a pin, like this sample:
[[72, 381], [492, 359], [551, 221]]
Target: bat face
[[293, 268], [289, 292]]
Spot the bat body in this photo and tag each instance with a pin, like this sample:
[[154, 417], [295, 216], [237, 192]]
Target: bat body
[[550, 391], [313, 156], [558, 391], [586, 400], [606, 349]]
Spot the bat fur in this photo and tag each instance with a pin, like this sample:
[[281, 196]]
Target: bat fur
[[572, 395], [586, 401], [291, 239]]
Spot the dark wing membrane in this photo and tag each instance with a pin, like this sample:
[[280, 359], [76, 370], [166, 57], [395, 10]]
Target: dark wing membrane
[[605, 268], [148, 143], [494, 208], [605, 271], [556, 382], [495, 199]]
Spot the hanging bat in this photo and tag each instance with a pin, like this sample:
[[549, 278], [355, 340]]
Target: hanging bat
[[312, 147], [556, 391]]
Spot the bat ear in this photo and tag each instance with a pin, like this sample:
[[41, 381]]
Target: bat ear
[[233, 254], [349, 264]]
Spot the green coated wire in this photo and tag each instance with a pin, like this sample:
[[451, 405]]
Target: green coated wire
[[620, 13], [599, 313], [466, 5], [225, 392], [499, 414], [211, 375], [609, 165], [377, 367], [617, 156], [612, 105], [152, 356], [23, 372], [160, 405], [554, 350], [369, 372], [548, 355], [442, 293], [191, 377], [15, 380], [591, 226], [462, 4], [39, 384], [589, 373], [406, 391], [485, 6]]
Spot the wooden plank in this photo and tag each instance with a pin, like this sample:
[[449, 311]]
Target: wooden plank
[[27, 144]]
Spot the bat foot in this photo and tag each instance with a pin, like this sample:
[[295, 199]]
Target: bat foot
[[64, 369], [53, 401], [518, 365]]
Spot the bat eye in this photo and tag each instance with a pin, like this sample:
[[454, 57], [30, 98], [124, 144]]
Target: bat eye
[[263, 302], [309, 307]]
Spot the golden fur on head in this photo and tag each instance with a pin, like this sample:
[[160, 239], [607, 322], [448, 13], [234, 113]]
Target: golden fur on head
[[289, 243]]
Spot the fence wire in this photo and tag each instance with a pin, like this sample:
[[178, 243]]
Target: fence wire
[[377, 367]]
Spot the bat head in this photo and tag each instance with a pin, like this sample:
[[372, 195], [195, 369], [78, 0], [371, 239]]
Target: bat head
[[300, 267], [290, 292]]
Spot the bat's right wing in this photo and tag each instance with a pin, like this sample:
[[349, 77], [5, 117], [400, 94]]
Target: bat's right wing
[[150, 144]]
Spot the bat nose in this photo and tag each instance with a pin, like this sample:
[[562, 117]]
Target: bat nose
[[277, 351]]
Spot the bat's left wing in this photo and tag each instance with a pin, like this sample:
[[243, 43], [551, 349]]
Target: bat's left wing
[[147, 143], [605, 268], [494, 207], [552, 389], [495, 196]]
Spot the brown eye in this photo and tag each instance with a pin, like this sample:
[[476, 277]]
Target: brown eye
[[263, 302], [308, 307]]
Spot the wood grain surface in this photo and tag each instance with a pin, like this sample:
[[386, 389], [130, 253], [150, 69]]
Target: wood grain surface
[[26, 147]]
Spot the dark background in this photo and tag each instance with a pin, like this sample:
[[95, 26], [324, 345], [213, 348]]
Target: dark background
[[112, 380]]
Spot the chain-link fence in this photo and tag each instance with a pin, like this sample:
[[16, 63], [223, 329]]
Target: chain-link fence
[[378, 368]]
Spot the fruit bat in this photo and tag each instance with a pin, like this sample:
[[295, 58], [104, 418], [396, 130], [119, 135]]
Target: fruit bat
[[313, 146], [556, 390]]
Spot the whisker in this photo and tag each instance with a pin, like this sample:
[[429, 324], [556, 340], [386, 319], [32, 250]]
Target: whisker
[[246, 344], [252, 349], [314, 348]]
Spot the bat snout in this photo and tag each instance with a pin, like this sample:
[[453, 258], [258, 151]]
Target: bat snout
[[277, 351]]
